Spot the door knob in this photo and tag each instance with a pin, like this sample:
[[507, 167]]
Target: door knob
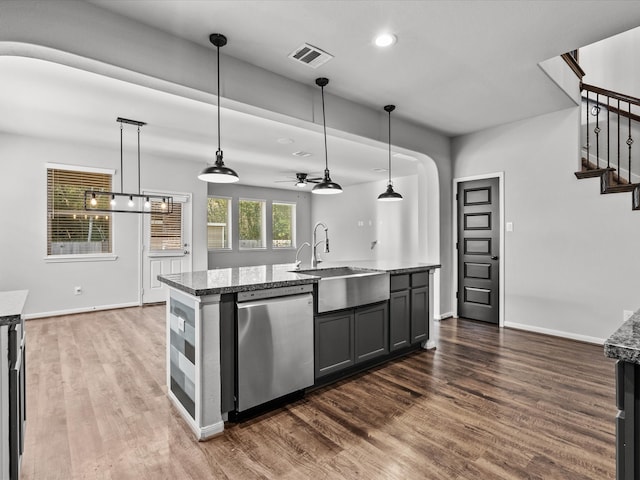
[[495, 257]]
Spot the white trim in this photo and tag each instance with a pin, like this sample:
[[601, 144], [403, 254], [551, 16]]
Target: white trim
[[80, 168], [454, 213], [71, 311], [204, 433], [555, 333], [444, 316], [81, 257]]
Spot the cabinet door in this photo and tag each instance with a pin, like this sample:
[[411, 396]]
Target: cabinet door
[[419, 314], [372, 332], [334, 343], [399, 320]]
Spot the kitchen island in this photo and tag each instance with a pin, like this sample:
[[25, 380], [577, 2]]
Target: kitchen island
[[624, 346], [203, 333]]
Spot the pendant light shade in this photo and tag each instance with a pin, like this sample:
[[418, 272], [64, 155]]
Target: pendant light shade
[[326, 186], [218, 172], [389, 195]]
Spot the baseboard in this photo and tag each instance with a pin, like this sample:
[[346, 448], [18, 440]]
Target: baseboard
[[444, 316], [201, 433], [71, 311], [555, 333]]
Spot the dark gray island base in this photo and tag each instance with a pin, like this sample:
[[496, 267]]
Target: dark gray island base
[[624, 346], [211, 314]]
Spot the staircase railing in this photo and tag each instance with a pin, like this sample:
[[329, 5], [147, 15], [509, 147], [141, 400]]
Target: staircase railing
[[611, 113]]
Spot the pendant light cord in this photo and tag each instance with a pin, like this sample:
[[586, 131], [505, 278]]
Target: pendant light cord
[[324, 127], [121, 163], [138, 159], [389, 147], [218, 57]]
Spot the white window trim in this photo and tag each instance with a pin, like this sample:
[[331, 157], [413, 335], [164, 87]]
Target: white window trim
[[84, 257], [81, 257], [79, 168], [264, 225], [294, 225], [229, 221]]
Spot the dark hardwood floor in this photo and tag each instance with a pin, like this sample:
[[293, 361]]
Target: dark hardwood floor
[[486, 404]]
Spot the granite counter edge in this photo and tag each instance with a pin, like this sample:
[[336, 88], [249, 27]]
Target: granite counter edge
[[201, 292]]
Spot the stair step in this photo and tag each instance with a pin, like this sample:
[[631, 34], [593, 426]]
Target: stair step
[[596, 172]]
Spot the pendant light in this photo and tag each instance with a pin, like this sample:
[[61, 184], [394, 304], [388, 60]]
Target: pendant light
[[326, 186], [218, 173], [389, 195], [122, 202]]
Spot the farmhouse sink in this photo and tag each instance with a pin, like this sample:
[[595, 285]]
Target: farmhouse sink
[[347, 287]]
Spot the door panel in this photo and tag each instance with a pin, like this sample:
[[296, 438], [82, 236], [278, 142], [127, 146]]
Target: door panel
[[478, 244], [167, 247]]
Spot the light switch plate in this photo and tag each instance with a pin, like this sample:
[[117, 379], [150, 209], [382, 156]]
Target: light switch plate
[[509, 226]]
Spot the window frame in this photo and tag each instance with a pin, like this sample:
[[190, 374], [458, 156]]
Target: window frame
[[294, 222], [77, 257], [263, 225], [229, 246]]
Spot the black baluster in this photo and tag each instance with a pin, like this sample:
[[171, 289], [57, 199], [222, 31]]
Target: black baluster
[[629, 142], [618, 171], [608, 140], [596, 112], [586, 167]]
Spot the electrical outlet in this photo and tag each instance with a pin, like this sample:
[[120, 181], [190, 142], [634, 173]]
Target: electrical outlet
[[626, 315], [77, 290], [181, 324]]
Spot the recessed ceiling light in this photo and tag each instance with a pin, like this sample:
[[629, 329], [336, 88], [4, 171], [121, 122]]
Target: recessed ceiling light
[[301, 153], [285, 141], [379, 170], [385, 40]]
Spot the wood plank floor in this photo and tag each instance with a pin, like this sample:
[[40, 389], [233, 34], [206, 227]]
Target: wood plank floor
[[487, 404]]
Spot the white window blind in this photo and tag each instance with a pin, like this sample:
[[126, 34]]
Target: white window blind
[[166, 229], [70, 229]]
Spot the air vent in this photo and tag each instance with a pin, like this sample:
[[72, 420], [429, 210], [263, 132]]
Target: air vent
[[301, 153], [311, 56]]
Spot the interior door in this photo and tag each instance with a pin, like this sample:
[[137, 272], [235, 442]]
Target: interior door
[[166, 247], [478, 246]]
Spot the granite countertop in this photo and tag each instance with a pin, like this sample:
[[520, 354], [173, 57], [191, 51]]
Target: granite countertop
[[236, 279], [11, 305], [391, 267], [243, 279], [624, 344]]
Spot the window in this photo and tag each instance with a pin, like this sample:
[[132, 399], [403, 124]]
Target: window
[[70, 229], [284, 225], [219, 223], [166, 228], [252, 223]]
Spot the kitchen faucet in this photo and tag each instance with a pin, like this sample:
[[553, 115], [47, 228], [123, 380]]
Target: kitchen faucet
[[298, 262], [314, 257]]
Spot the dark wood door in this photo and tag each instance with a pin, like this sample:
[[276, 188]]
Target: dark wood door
[[478, 247]]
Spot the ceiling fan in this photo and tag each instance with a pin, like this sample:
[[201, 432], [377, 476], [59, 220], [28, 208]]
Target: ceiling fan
[[301, 180]]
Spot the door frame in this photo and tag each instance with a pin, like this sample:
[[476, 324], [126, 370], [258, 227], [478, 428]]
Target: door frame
[[142, 238], [454, 216]]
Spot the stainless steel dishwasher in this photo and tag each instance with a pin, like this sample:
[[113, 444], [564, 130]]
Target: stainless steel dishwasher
[[275, 344]]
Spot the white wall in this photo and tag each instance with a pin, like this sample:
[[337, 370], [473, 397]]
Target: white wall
[[571, 262], [23, 243], [612, 63], [356, 219]]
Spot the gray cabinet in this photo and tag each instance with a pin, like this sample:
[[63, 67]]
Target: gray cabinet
[[399, 320], [627, 420], [334, 342], [348, 337], [371, 332], [408, 309]]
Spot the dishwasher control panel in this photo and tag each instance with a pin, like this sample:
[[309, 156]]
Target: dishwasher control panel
[[274, 292]]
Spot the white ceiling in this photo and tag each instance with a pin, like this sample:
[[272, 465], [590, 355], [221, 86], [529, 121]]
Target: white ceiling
[[458, 66]]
